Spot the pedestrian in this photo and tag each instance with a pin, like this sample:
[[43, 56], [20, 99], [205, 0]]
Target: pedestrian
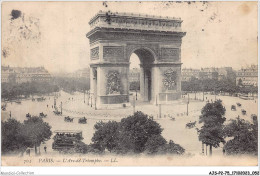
[[45, 149], [224, 151], [28, 151], [52, 106], [47, 106]]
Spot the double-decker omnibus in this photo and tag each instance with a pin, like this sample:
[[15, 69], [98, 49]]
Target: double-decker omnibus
[[66, 139]]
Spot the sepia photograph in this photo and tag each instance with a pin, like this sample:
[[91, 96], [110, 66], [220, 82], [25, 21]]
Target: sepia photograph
[[138, 83]]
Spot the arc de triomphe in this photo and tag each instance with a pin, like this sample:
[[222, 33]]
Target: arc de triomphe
[[155, 40]]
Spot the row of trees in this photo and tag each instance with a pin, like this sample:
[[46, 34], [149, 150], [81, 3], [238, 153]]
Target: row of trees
[[243, 134], [73, 84], [15, 90], [17, 136], [209, 85], [135, 134], [140, 134]]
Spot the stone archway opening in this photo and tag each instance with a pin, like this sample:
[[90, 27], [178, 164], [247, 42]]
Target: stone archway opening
[[140, 76]]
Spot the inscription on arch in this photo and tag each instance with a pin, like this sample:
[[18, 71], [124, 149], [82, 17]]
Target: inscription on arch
[[170, 54]]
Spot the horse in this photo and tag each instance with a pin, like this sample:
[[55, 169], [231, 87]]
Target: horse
[[82, 120], [28, 115], [190, 124], [43, 115]]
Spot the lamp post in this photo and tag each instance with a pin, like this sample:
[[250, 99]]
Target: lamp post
[[215, 93], [88, 97], [160, 111], [54, 102], [188, 104], [61, 107], [202, 148], [84, 95], [95, 103], [133, 104]]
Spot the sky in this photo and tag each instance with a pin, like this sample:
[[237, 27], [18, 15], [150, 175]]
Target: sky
[[53, 34]]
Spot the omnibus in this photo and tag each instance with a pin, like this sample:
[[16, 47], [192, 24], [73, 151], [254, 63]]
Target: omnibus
[[66, 139]]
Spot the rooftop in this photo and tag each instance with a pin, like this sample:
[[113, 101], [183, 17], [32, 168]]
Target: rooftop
[[134, 15], [130, 21]]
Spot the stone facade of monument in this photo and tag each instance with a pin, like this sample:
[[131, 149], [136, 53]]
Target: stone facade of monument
[[155, 40]]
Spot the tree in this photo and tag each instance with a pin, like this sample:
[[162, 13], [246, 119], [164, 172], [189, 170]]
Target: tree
[[245, 137], [171, 148], [135, 134], [35, 131], [105, 136], [81, 147], [154, 143], [212, 117], [12, 140], [14, 90], [135, 131]]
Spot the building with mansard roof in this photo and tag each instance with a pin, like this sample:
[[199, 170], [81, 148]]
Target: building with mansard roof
[[247, 76], [24, 74]]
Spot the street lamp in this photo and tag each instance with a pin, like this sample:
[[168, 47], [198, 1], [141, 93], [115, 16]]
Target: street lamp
[[84, 95], [160, 110], [188, 104], [95, 103], [61, 107], [134, 104]]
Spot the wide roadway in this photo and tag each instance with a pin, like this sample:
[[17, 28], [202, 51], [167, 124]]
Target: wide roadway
[[74, 106]]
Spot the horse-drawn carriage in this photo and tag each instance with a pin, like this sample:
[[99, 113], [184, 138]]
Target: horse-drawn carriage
[[243, 112], [42, 115], [57, 112], [233, 108], [28, 115], [254, 117], [191, 125], [3, 107], [68, 119], [82, 120], [239, 104], [41, 99]]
